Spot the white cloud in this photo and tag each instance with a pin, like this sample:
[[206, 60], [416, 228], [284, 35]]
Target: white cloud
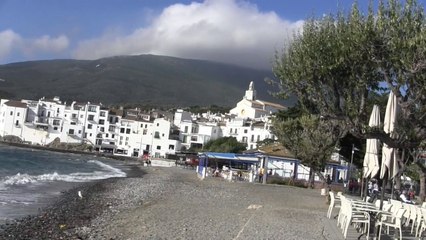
[[8, 40], [49, 44], [12, 42], [219, 30]]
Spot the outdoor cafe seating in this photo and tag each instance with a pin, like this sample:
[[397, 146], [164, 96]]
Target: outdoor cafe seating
[[395, 218]]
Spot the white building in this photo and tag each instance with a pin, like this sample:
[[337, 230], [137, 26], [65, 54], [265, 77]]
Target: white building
[[251, 107], [12, 117]]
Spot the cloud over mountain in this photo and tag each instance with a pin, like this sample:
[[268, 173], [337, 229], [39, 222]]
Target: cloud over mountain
[[10, 42], [220, 30]]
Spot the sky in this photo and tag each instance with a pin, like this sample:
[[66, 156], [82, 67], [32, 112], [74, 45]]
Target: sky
[[241, 32]]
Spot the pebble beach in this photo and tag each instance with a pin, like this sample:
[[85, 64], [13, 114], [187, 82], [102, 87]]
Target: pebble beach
[[173, 203]]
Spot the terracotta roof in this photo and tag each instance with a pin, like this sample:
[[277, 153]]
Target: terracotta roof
[[276, 149], [13, 103], [275, 105]]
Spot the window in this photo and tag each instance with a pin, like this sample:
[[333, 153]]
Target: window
[[85, 135], [158, 147], [122, 130], [92, 109], [55, 128], [236, 131], [194, 138], [79, 131], [73, 123], [90, 134], [186, 129], [128, 131], [144, 131], [127, 138], [11, 113], [252, 138], [106, 135], [112, 135], [81, 116], [111, 128], [146, 125], [158, 124], [244, 139], [141, 125], [245, 130], [101, 122], [121, 137], [258, 138], [17, 114], [89, 126], [71, 131], [56, 122], [102, 114], [230, 130], [91, 117], [157, 135], [184, 139], [102, 129], [162, 135], [171, 147], [17, 123], [48, 114], [74, 115]]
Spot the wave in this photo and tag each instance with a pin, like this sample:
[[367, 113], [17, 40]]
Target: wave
[[107, 172]]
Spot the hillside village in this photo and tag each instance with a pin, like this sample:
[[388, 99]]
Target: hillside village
[[132, 132]]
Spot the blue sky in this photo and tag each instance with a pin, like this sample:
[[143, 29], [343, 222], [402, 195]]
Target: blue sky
[[233, 31]]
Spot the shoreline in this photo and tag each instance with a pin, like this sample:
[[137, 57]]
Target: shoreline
[[44, 148], [172, 203], [67, 212]]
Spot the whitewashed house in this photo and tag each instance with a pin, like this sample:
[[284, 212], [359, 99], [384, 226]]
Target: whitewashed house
[[12, 117]]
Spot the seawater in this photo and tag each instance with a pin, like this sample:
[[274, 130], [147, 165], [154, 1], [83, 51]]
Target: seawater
[[30, 179]]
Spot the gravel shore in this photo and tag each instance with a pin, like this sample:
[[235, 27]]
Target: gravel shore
[[172, 203]]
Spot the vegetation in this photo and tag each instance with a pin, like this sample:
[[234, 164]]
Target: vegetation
[[144, 80], [339, 66], [310, 139], [226, 145]]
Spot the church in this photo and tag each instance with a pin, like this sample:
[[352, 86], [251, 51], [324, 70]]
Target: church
[[252, 108]]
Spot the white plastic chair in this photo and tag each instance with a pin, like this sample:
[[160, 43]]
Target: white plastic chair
[[395, 222], [348, 216], [333, 203]]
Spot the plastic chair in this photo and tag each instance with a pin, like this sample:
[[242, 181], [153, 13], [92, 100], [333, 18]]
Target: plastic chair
[[333, 201], [395, 223]]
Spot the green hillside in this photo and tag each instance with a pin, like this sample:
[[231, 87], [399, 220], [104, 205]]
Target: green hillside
[[145, 79]]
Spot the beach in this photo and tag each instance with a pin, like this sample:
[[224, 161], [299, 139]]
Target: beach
[[173, 203]]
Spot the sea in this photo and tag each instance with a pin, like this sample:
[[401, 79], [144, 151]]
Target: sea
[[31, 179]]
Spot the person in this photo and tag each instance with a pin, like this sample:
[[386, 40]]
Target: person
[[328, 179], [404, 197], [261, 171], [370, 188], [411, 193], [270, 172]]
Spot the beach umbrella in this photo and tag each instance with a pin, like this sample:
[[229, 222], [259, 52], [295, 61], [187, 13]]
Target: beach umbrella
[[371, 158], [389, 162]]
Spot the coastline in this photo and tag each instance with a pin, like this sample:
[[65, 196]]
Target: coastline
[[45, 148], [172, 203]]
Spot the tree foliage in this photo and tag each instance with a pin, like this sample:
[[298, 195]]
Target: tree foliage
[[225, 144], [339, 63], [309, 138]]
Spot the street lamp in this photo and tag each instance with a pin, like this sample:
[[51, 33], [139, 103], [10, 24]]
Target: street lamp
[[352, 160]]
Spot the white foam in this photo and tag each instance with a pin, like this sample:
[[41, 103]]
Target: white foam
[[21, 179]]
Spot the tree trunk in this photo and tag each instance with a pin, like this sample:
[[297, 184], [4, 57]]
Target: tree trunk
[[422, 177], [311, 178]]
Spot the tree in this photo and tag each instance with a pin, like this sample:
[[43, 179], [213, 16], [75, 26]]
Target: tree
[[310, 139], [225, 144], [339, 64]]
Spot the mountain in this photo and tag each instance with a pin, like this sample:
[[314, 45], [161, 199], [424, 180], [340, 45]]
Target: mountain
[[144, 79]]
